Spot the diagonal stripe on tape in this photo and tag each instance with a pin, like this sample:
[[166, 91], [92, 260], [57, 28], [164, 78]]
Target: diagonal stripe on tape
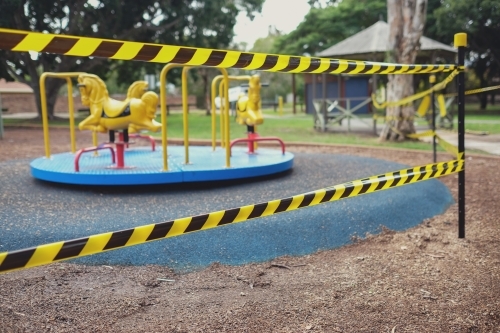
[[45, 254], [24, 41]]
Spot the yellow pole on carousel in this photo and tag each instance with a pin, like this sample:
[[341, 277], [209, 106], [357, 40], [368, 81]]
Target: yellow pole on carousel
[[95, 142], [214, 93], [214, 109], [71, 110], [226, 109], [45, 121], [214, 122], [43, 102], [163, 110], [185, 118], [222, 97]]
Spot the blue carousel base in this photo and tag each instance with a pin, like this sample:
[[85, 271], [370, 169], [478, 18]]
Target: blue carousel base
[[144, 166]]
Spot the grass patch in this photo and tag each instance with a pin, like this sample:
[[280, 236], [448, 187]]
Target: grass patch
[[298, 128], [293, 129], [476, 107], [36, 121]]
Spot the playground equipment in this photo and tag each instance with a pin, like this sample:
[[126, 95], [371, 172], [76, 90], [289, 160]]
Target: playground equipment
[[28, 41], [109, 115], [248, 112], [130, 118]]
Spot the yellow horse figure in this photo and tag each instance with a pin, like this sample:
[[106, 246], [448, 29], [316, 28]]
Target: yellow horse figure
[[137, 89], [107, 114], [249, 108]]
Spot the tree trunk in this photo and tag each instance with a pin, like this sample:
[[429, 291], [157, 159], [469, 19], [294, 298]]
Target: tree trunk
[[52, 87], [204, 76], [406, 23], [483, 98]]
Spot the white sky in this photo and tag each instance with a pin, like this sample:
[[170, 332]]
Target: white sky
[[284, 14]]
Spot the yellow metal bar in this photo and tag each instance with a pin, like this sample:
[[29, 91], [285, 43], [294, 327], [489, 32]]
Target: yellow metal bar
[[43, 102], [71, 110], [95, 142], [185, 118], [226, 109], [214, 94], [280, 105], [45, 121], [163, 110], [222, 115], [214, 122]]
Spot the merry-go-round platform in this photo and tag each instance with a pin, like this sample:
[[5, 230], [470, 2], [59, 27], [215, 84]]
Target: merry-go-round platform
[[144, 166]]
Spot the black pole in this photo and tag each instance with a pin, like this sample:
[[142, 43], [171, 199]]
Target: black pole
[[323, 104], [461, 43], [432, 80], [111, 136]]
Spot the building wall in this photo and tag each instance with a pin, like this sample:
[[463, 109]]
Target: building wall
[[349, 87], [25, 102]]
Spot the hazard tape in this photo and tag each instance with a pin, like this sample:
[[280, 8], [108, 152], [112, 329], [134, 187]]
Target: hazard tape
[[439, 86], [474, 91], [451, 149], [24, 41], [46, 254]]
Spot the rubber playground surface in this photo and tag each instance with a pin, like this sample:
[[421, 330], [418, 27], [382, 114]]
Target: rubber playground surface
[[35, 212]]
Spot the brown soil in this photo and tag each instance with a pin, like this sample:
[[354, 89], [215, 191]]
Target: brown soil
[[421, 280]]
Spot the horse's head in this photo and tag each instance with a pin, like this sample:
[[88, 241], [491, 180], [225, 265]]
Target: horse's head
[[254, 89], [137, 89], [92, 89], [151, 99]]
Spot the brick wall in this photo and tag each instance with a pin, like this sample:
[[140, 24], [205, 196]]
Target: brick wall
[[19, 102]]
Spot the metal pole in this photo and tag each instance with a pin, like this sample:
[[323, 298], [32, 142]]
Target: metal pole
[[374, 91], [294, 94], [313, 77], [460, 42], [432, 80], [323, 104], [349, 115]]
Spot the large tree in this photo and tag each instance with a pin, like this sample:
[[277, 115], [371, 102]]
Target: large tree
[[406, 20], [206, 23], [480, 19]]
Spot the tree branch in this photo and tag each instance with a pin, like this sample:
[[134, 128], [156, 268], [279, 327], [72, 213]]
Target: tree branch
[[144, 27]]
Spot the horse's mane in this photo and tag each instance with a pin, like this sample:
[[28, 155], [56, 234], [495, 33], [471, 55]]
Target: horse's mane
[[96, 85], [136, 89]]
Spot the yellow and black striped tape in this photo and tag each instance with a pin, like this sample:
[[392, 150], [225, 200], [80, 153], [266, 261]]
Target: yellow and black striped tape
[[451, 149], [439, 86], [45, 254], [23, 41], [475, 91]]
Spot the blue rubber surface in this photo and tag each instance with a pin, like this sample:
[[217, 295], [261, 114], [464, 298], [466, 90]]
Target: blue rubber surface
[[204, 165], [34, 212]]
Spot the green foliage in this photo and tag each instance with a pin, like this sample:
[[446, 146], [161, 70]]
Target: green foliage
[[280, 84], [324, 27], [204, 23], [480, 19]]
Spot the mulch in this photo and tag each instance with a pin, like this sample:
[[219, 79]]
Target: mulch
[[424, 279]]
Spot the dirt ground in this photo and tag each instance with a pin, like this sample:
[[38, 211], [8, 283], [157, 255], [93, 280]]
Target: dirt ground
[[421, 280]]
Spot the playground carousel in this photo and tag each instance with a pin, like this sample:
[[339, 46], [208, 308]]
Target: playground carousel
[[118, 162]]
